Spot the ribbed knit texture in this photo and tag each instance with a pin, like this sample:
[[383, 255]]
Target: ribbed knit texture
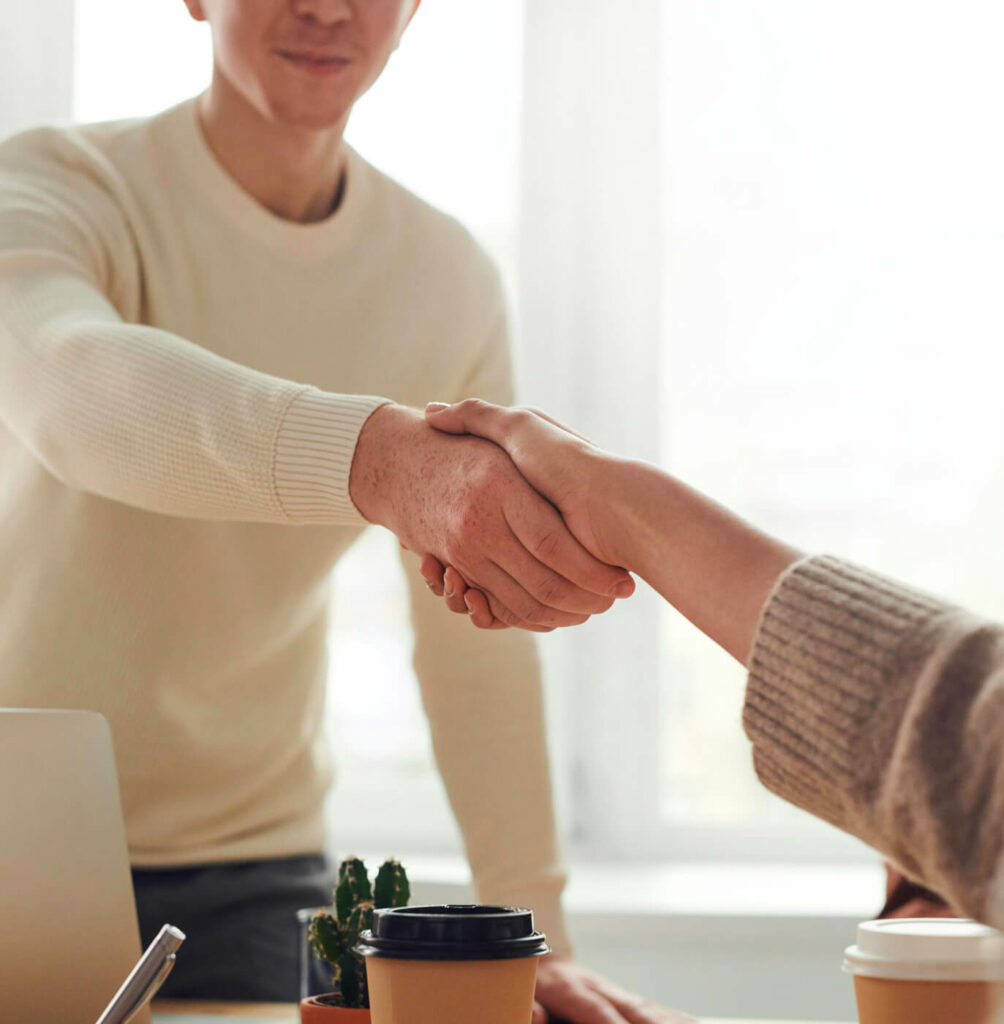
[[313, 455], [879, 708], [183, 377]]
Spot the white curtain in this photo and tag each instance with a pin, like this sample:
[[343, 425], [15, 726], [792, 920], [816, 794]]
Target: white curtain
[[36, 63], [589, 271], [762, 244]]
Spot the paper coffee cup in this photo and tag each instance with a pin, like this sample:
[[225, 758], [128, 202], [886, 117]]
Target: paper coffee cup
[[451, 965], [926, 970]]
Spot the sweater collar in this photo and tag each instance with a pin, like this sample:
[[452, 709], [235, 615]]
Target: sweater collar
[[188, 151]]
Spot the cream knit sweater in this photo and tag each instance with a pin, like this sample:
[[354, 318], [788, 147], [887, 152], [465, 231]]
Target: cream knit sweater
[[881, 709], [180, 382]]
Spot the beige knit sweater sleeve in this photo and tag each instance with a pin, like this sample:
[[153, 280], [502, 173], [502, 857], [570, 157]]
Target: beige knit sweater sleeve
[[881, 710], [137, 414]]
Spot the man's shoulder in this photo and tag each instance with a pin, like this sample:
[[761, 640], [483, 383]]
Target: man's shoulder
[[53, 158], [69, 145], [68, 188]]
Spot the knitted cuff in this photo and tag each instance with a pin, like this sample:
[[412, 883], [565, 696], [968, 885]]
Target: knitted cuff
[[313, 456], [829, 647]]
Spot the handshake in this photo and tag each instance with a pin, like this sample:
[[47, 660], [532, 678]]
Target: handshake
[[507, 508]]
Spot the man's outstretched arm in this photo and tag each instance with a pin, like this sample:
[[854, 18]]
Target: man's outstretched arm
[[143, 416]]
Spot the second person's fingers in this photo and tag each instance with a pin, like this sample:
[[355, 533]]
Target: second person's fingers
[[512, 602], [480, 611], [543, 533], [472, 416], [506, 599]]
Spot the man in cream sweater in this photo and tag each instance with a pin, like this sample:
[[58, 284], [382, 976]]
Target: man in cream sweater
[[213, 326]]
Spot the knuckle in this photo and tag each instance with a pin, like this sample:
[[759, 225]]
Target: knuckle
[[485, 474], [466, 523], [545, 544], [531, 610], [473, 406], [504, 615], [554, 591], [516, 420]]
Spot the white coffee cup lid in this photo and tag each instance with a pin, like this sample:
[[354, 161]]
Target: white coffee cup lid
[[927, 949]]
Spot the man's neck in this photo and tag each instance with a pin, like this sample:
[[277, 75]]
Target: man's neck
[[295, 173]]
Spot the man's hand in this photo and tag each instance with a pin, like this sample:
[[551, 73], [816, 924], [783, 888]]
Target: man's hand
[[566, 468], [567, 992], [563, 466], [461, 500]]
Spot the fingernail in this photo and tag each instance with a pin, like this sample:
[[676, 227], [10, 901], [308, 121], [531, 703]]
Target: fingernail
[[437, 406], [448, 591], [623, 589], [467, 605]]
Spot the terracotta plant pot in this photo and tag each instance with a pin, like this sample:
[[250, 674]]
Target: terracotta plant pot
[[325, 1010]]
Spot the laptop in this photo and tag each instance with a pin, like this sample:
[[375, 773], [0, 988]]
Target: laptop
[[68, 928]]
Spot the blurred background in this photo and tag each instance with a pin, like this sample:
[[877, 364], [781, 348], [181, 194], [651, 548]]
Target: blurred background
[[759, 242]]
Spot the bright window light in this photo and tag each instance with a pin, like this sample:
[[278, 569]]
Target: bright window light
[[834, 251]]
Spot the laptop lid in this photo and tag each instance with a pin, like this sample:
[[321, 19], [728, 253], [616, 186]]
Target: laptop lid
[[68, 927]]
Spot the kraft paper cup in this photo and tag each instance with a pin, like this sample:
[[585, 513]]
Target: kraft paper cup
[[452, 965], [926, 970]]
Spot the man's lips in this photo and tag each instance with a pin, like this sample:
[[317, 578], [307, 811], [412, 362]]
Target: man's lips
[[314, 62]]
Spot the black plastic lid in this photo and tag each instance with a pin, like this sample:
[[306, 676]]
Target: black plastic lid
[[452, 932]]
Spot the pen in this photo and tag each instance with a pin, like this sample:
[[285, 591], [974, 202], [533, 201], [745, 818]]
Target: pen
[[145, 978]]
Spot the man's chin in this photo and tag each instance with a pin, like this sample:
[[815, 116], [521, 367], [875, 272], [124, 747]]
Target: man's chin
[[311, 114]]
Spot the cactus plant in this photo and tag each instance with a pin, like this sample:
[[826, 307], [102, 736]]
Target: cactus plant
[[334, 936]]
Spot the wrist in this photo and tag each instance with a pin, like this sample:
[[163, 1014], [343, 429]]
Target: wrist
[[619, 522], [378, 460]]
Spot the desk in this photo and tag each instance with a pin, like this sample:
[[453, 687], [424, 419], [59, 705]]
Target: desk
[[171, 1011]]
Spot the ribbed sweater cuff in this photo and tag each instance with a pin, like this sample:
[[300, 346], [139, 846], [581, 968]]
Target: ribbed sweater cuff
[[825, 654], [313, 456]]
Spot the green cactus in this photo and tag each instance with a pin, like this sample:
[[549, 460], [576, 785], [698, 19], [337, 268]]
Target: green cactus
[[353, 886], [352, 981], [360, 919], [334, 936], [391, 888], [326, 937]]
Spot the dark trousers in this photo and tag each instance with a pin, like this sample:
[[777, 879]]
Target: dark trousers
[[240, 924]]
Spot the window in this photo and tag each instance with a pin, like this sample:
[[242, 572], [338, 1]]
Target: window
[[762, 245], [834, 251]]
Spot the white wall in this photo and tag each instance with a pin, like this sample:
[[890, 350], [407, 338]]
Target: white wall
[[36, 62]]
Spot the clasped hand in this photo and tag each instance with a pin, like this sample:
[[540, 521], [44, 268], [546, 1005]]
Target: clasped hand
[[460, 501]]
